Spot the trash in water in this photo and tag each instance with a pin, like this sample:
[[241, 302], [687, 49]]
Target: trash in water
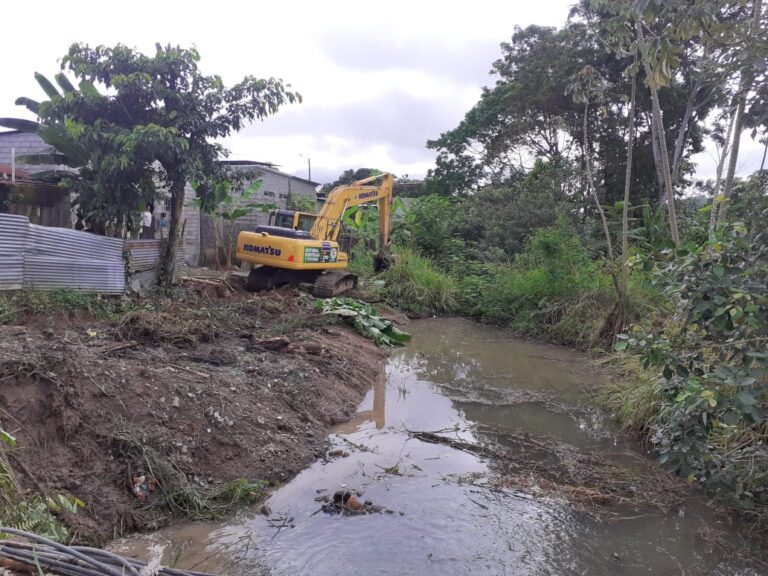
[[347, 502]]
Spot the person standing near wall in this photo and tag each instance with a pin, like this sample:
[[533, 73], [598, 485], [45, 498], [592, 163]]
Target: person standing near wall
[[163, 226], [147, 232]]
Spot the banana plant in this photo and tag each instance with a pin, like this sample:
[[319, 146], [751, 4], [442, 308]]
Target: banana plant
[[66, 149], [222, 205]]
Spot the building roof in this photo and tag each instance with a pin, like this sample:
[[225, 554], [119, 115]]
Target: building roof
[[268, 167], [7, 170]]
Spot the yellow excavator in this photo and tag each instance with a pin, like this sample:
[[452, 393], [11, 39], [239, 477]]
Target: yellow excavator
[[301, 247]]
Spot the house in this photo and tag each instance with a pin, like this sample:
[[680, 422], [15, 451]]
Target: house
[[22, 190], [53, 204], [26, 143]]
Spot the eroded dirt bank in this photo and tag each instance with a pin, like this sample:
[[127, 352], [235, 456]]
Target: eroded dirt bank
[[184, 390]]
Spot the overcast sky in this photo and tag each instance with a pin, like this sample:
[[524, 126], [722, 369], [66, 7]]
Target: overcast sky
[[378, 79]]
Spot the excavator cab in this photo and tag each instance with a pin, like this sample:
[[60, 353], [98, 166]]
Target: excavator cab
[[292, 220]]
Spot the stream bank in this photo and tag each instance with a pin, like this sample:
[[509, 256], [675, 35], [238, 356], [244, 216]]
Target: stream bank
[[475, 453], [210, 396]]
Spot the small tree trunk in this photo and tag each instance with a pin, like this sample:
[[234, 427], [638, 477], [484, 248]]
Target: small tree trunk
[[745, 85], [657, 161], [738, 124], [718, 180], [168, 261], [591, 186], [665, 170], [682, 133], [627, 187], [216, 240], [228, 251]]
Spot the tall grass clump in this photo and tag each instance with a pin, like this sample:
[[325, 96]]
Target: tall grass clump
[[415, 285], [632, 395], [361, 260], [552, 289]]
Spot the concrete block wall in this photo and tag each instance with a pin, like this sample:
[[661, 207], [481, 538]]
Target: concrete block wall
[[190, 218]]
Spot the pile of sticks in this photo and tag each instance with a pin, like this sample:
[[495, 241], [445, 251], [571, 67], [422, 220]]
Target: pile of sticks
[[41, 555]]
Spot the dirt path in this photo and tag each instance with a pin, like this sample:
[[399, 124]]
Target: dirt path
[[188, 391]]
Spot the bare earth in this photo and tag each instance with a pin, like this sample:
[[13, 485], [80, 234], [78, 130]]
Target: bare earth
[[188, 386]]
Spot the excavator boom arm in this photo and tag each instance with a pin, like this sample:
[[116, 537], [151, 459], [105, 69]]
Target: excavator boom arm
[[328, 223]]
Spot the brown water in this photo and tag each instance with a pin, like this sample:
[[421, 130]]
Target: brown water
[[444, 515]]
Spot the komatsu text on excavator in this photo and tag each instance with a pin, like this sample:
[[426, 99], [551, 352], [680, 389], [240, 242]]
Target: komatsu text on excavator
[[302, 247]]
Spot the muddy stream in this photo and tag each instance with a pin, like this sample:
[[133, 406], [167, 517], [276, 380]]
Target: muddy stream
[[518, 487]]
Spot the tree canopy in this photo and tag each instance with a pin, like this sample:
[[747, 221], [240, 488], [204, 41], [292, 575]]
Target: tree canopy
[[158, 117]]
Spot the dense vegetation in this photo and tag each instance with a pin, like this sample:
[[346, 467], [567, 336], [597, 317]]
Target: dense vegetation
[[566, 205]]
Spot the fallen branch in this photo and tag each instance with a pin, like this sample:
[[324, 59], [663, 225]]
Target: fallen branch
[[116, 347]]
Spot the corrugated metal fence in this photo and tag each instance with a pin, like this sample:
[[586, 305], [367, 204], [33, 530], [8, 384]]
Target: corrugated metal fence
[[41, 257], [143, 257]]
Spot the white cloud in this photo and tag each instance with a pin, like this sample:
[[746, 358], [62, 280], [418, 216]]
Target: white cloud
[[378, 80]]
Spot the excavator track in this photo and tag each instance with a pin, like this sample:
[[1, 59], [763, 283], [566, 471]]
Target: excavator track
[[261, 278], [333, 284]]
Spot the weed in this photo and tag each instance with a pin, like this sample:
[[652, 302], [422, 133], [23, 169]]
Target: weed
[[49, 302], [415, 285], [33, 514], [182, 497], [632, 395]]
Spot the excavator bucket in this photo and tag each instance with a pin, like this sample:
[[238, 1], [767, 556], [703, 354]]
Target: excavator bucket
[[382, 261]]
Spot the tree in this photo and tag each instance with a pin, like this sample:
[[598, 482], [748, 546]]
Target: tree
[[588, 85], [163, 110], [109, 181], [527, 116], [753, 63]]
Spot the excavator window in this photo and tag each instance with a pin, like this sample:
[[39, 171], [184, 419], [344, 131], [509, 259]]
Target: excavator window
[[306, 221], [281, 219]]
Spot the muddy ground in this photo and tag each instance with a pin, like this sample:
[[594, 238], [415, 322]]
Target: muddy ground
[[181, 389]]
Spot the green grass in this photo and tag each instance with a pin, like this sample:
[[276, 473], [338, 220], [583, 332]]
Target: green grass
[[14, 304], [415, 285], [361, 261], [632, 395]]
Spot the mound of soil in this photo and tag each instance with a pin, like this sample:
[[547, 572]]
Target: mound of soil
[[190, 380]]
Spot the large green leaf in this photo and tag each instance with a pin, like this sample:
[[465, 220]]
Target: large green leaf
[[31, 105], [76, 154], [20, 124], [63, 81], [49, 89], [397, 335], [88, 89]]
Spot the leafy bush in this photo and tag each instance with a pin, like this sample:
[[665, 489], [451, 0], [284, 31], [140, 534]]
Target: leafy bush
[[712, 370], [552, 289]]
